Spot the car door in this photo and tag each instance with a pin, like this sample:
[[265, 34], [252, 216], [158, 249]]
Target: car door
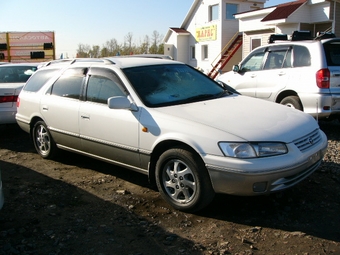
[[275, 74], [245, 80], [108, 133], [59, 107]]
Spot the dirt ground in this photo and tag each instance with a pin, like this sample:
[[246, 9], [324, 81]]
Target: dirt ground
[[76, 205]]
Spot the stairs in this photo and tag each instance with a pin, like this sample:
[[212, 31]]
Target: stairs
[[226, 54]]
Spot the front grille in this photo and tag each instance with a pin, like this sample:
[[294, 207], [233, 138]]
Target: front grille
[[308, 141]]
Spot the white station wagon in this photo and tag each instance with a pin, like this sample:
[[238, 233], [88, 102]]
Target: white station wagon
[[192, 136]]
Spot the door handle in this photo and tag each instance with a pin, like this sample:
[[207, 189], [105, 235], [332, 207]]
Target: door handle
[[86, 117]]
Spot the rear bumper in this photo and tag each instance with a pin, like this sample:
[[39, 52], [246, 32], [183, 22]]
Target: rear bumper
[[7, 116], [321, 105]]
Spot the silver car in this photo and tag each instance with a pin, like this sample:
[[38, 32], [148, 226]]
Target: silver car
[[304, 75], [12, 79], [192, 136]]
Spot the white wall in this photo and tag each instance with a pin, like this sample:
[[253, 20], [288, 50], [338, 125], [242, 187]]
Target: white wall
[[226, 29]]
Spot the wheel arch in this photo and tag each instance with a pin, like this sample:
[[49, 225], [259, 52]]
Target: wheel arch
[[161, 148], [285, 93], [34, 120]]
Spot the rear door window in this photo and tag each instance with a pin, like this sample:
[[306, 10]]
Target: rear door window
[[278, 57], [70, 83]]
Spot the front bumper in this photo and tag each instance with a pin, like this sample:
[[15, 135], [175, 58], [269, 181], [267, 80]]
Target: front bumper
[[256, 182]]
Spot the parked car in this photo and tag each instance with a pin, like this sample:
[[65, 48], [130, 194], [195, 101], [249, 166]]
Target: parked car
[[12, 79], [301, 74], [189, 134], [2, 200]]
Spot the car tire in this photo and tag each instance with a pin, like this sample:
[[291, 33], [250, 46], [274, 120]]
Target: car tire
[[183, 180], [43, 141], [293, 102]]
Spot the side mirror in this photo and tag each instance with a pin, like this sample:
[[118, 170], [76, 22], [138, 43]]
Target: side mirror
[[121, 102], [236, 68]]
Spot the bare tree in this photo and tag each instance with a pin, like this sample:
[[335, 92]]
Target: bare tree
[[112, 48], [144, 48], [156, 38], [128, 44], [83, 51], [94, 53]]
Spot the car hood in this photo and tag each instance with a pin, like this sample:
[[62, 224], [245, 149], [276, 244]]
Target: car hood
[[248, 118]]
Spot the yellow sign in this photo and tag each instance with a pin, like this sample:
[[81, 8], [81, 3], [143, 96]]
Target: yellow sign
[[208, 33]]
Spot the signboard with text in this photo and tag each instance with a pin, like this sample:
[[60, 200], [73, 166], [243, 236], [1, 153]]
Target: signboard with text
[[207, 33], [27, 46]]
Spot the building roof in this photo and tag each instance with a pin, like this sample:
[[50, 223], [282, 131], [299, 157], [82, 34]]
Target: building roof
[[283, 11], [179, 30]]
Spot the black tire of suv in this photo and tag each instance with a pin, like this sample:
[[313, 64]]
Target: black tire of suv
[[176, 170], [292, 101], [43, 141]]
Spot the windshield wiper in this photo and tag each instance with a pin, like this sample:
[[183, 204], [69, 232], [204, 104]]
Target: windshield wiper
[[200, 97]]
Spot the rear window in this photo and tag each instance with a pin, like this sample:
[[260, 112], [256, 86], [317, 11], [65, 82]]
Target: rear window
[[39, 79], [16, 74], [332, 52]]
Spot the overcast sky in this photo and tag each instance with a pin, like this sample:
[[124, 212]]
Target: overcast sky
[[95, 22]]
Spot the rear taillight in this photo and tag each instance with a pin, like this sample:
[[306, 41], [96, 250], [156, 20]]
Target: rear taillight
[[18, 102], [8, 99], [323, 78]]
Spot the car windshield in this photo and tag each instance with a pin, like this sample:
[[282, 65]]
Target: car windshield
[[163, 85], [16, 74]]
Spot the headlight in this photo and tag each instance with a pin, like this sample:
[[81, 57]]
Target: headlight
[[252, 150]]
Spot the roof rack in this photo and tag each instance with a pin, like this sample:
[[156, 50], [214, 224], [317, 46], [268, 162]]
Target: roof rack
[[299, 36], [277, 37]]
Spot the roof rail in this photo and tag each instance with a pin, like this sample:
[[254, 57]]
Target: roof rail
[[324, 35]]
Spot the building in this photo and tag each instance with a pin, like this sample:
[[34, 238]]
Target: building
[[217, 34]]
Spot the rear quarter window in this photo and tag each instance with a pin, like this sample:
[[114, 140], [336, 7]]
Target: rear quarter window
[[37, 80], [301, 56]]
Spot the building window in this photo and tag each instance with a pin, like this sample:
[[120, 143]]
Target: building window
[[192, 52], [255, 42], [231, 9], [205, 52], [213, 12]]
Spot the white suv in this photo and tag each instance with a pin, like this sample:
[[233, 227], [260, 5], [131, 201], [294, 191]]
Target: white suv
[[190, 135], [300, 74]]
